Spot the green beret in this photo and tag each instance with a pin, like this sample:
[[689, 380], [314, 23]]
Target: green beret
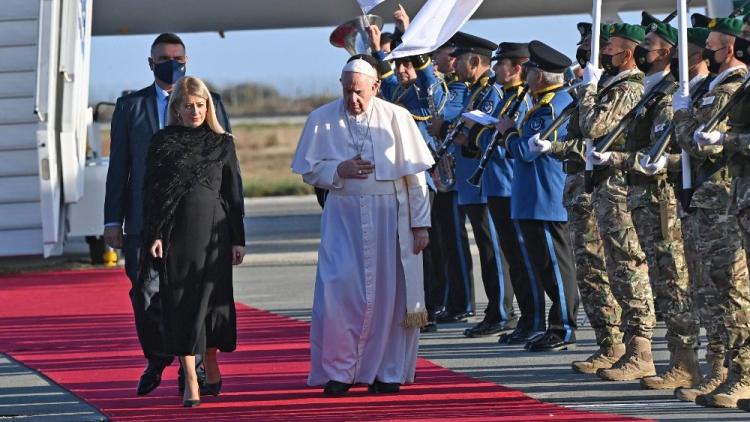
[[726, 26], [634, 33], [698, 36], [604, 35], [665, 31], [584, 28]]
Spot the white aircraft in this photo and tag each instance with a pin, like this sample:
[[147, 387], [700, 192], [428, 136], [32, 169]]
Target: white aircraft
[[50, 187]]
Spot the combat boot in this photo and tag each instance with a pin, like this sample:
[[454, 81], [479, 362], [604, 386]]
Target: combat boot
[[683, 371], [637, 362], [735, 387], [605, 357], [716, 375]]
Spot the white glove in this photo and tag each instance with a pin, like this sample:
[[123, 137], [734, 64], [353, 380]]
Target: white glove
[[680, 101], [539, 145], [600, 158], [501, 152], [650, 168], [707, 138], [591, 74]]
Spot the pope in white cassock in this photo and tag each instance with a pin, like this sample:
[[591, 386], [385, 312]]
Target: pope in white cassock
[[369, 294]]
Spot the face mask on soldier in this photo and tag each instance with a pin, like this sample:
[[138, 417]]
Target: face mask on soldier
[[608, 65], [713, 64], [641, 59]]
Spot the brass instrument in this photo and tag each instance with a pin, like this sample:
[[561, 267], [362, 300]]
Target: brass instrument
[[445, 167], [352, 34]]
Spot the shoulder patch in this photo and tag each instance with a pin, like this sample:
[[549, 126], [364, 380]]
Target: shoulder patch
[[487, 106], [536, 123]]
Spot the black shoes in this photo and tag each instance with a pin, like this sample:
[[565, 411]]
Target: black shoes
[[431, 327], [384, 387], [485, 329], [519, 336], [550, 342], [150, 379], [453, 317], [335, 388], [212, 389], [191, 403]]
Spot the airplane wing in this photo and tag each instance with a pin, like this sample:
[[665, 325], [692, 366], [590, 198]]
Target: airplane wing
[[120, 17]]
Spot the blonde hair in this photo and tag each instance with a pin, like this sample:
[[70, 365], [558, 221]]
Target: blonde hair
[[190, 85]]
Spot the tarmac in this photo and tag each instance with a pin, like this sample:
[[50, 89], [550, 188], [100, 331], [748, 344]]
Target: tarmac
[[279, 274]]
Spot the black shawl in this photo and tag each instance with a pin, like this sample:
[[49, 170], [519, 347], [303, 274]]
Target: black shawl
[[179, 158]]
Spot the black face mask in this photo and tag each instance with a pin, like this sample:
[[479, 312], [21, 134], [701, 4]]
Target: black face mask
[[710, 55], [583, 56], [641, 59], [607, 64], [169, 71]]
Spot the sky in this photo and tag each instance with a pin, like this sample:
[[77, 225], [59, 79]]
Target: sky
[[295, 61]]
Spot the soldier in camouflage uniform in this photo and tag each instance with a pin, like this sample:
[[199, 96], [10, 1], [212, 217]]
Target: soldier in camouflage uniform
[[719, 243], [626, 262], [600, 305], [652, 202]]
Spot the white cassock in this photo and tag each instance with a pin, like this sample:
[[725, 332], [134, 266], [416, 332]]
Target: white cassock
[[369, 291]]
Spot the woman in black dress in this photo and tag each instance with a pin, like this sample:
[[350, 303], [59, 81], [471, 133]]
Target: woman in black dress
[[194, 232]]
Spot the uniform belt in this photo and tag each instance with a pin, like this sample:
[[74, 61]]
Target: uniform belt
[[573, 166], [638, 179], [601, 174]]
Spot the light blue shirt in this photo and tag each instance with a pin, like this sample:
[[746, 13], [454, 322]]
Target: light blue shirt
[[161, 105]]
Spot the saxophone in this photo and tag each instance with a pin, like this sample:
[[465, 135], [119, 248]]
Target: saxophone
[[445, 164]]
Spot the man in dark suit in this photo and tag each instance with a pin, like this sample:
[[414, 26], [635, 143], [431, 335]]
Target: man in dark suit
[[136, 118]]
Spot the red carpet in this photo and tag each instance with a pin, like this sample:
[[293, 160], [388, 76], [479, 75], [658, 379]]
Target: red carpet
[[77, 329]]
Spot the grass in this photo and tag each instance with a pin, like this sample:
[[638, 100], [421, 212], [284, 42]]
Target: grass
[[265, 154]]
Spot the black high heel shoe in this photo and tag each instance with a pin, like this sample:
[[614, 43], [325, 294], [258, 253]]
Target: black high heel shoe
[[191, 403], [212, 389]]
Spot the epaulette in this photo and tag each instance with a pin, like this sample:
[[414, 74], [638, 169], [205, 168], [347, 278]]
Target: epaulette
[[547, 98]]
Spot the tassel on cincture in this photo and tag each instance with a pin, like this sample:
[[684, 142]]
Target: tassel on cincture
[[415, 319]]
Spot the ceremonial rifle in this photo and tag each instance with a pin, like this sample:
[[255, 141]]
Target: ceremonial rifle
[[661, 144], [476, 177], [604, 143]]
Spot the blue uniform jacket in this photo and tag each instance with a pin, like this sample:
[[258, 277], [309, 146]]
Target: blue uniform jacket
[[498, 175], [538, 179], [485, 96]]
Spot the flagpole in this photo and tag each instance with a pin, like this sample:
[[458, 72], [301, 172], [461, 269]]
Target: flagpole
[[682, 50], [596, 30]]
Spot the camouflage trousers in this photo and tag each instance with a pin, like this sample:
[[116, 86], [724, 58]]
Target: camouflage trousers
[[654, 211], [703, 293], [737, 309], [602, 309], [625, 260]]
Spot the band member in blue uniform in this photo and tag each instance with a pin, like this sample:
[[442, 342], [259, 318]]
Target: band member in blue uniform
[[496, 184], [472, 66], [538, 182]]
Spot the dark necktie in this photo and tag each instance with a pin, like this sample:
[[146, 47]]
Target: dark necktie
[[166, 110]]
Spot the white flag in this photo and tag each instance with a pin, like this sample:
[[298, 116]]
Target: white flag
[[368, 5], [434, 25]]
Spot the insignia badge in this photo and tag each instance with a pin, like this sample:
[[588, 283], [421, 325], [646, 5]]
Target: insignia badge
[[452, 95], [652, 27], [536, 124], [707, 101], [712, 24], [611, 29], [487, 107]]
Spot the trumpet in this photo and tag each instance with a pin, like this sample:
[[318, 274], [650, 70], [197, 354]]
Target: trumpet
[[445, 166]]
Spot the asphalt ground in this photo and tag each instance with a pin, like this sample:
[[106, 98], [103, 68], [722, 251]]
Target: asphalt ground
[[279, 274]]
